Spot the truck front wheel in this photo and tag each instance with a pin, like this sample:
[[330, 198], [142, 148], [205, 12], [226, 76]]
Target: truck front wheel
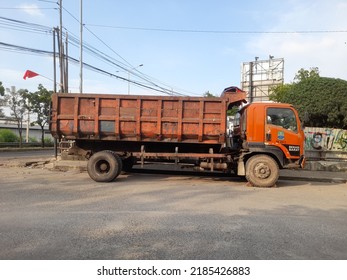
[[104, 166], [262, 171]]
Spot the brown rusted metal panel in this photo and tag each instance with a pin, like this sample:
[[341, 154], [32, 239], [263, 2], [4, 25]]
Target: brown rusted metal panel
[[142, 118], [117, 119], [159, 119], [179, 123], [75, 116]]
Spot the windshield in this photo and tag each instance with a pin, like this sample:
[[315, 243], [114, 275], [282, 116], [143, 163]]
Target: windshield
[[283, 117]]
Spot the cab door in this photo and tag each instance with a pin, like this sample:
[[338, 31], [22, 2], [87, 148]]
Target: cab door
[[282, 129]]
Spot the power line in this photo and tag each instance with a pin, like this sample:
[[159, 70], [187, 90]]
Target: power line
[[10, 47], [23, 25], [217, 31], [21, 49], [77, 20], [110, 60], [36, 28], [73, 40], [136, 72], [25, 8]]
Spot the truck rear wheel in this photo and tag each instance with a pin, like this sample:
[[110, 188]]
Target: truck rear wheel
[[104, 166], [262, 171]]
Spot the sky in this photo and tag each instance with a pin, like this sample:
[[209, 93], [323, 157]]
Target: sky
[[189, 47]]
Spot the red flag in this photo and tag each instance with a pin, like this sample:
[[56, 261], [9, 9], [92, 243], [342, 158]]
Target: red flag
[[29, 74]]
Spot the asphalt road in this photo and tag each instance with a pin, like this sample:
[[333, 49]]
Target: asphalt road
[[65, 215]]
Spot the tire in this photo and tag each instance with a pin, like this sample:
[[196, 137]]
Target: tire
[[104, 166], [119, 162], [262, 171]]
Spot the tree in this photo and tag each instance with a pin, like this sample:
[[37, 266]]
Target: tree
[[321, 101], [40, 101], [303, 74], [2, 101], [208, 94], [16, 101], [2, 89]]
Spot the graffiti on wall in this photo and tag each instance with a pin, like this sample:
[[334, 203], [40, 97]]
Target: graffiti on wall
[[330, 139]]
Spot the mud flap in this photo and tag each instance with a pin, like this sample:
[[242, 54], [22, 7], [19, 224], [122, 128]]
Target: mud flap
[[302, 161], [241, 167]]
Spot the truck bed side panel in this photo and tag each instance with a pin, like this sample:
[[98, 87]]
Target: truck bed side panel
[[139, 118]]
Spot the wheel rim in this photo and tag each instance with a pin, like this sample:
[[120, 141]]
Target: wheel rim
[[262, 171], [102, 167]]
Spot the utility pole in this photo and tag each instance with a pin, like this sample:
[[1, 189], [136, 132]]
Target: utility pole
[[55, 86], [28, 123], [81, 48], [54, 63], [61, 46], [66, 73]]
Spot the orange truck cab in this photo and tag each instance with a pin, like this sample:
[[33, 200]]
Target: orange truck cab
[[268, 137]]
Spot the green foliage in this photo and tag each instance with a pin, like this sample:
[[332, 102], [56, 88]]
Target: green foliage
[[2, 89], [39, 104], [7, 135], [40, 101], [209, 94], [321, 101], [22, 101], [307, 74], [33, 140], [48, 142], [2, 101], [233, 111], [16, 102]]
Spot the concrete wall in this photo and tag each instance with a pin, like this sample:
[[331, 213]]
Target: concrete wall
[[325, 139], [34, 131]]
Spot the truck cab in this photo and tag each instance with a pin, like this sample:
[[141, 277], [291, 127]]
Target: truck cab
[[268, 136]]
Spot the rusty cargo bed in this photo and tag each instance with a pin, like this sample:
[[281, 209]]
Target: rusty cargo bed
[[158, 119]]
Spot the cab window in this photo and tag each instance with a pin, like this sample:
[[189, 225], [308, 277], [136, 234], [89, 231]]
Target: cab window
[[283, 117]]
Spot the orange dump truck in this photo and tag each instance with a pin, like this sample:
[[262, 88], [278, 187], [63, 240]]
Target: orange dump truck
[[114, 131]]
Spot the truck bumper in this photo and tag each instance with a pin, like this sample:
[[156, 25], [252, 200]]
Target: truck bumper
[[302, 161]]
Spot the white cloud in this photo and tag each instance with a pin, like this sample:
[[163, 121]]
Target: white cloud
[[326, 50], [31, 9]]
